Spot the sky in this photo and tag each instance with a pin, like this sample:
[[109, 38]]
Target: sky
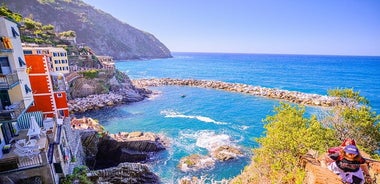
[[321, 27]]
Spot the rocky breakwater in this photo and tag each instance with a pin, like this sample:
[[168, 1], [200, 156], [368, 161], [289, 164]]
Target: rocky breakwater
[[93, 102], [291, 96]]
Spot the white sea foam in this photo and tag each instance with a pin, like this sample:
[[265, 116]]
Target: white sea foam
[[173, 114], [244, 127], [211, 141], [154, 95]]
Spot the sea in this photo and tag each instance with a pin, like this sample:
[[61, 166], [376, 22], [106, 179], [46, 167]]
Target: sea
[[195, 119]]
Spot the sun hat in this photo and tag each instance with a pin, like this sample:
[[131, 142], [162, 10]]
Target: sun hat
[[351, 149]]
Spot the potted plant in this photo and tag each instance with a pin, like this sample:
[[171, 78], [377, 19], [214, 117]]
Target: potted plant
[[6, 148]]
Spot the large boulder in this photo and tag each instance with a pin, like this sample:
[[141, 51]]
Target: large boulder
[[127, 147], [195, 162], [124, 173], [226, 152]]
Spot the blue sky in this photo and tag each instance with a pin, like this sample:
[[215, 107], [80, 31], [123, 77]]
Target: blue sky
[[328, 27]]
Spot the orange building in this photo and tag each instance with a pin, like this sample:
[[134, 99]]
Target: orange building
[[48, 89]]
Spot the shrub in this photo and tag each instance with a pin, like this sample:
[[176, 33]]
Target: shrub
[[289, 135]]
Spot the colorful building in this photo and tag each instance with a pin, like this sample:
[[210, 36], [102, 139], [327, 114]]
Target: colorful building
[[29, 149], [49, 88], [56, 57], [15, 89]]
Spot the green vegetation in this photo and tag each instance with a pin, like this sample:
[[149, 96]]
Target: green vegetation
[[68, 34], [4, 11], [348, 93], [90, 74], [359, 123], [79, 176], [35, 32], [290, 135]]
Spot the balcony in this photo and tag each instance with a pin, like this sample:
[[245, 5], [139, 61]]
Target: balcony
[[6, 45], [11, 161], [8, 81], [12, 112]]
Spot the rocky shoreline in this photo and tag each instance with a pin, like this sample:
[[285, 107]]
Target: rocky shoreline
[[116, 157], [290, 96]]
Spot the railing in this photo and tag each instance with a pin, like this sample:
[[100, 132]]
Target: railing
[[8, 81], [13, 111], [27, 162], [21, 163]]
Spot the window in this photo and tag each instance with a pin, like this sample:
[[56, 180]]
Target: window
[[21, 62], [14, 32], [28, 52], [27, 89], [39, 51], [4, 61]]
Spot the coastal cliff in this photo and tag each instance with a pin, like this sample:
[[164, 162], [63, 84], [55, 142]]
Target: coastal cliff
[[108, 88], [114, 156], [105, 34]]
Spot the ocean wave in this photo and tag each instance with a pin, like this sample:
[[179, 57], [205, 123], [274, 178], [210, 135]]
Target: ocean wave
[[173, 114], [211, 141]]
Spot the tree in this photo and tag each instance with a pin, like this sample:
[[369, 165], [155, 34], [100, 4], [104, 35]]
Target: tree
[[357, 122], [289, 135], [79, 175], [348, 93]]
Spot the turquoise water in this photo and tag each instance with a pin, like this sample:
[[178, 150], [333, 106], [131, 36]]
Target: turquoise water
[[207, 116]]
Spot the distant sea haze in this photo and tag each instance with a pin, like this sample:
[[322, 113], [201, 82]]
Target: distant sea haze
[[196, 118]]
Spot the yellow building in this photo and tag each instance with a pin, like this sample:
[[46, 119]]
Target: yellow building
[[57, 57]]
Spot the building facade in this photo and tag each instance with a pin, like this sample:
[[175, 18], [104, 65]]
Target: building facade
[[45, 160], [15, 88], [49, 88], [56, 57]]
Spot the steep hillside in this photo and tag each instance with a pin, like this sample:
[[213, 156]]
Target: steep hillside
[[102, 32]]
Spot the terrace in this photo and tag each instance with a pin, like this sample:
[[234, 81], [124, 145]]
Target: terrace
[[16, 160]]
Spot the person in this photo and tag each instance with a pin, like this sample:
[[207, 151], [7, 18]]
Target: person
[[349, 165], [326, 160], [347, 141]]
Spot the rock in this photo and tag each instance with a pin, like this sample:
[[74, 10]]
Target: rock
[[124, 173], [291, 96], [195, 162], [127, 147], [225, 152]]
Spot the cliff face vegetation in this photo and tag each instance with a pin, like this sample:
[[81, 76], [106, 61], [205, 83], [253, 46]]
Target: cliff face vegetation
[[102, 32]]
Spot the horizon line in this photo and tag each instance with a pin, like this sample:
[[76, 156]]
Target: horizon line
[[208, 52]]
